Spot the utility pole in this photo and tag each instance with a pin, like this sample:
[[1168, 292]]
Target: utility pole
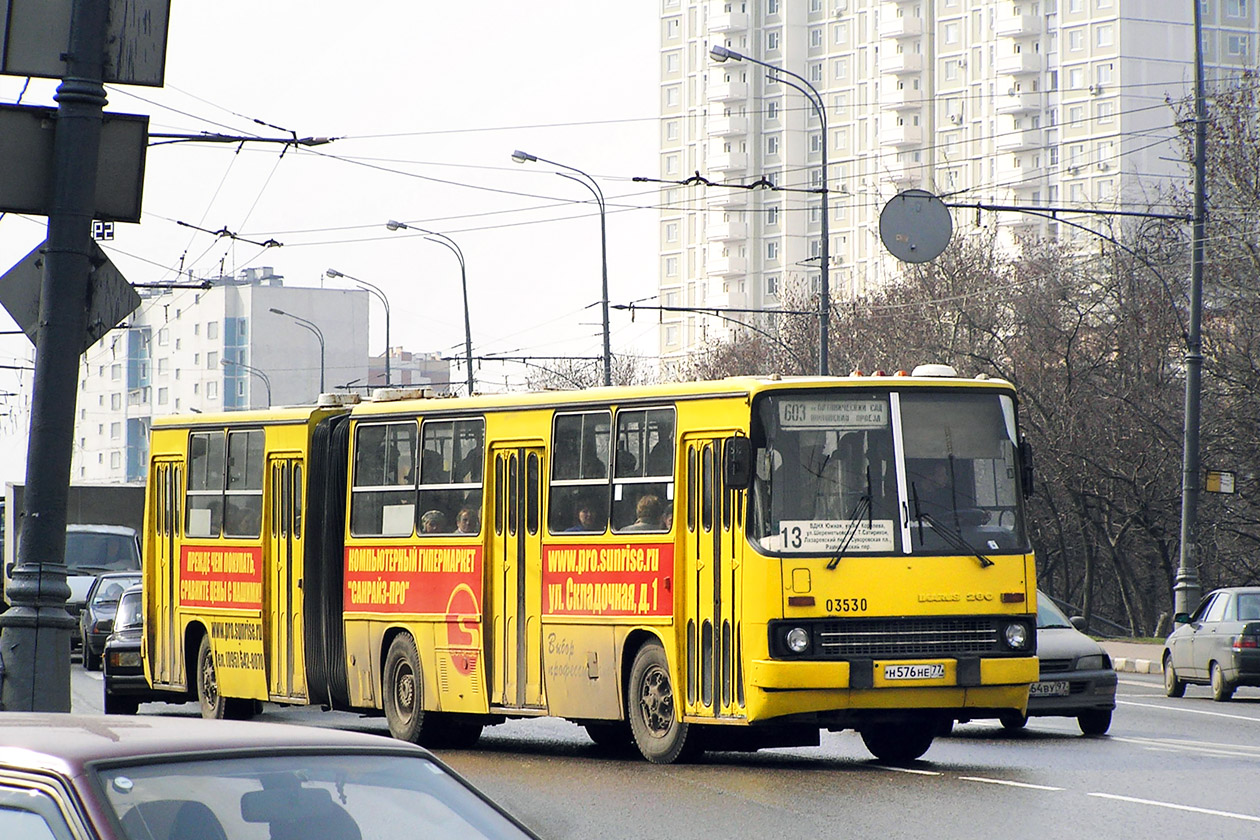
[[35, 641], [1186, 589]]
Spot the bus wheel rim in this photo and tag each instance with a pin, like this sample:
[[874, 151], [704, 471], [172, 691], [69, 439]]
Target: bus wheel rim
[[209, 689], [405, 691], [656, 701]]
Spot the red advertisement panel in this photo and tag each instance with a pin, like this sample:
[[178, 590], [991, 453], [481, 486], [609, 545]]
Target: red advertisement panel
[[431, 579], [218, 576], [608, 580]]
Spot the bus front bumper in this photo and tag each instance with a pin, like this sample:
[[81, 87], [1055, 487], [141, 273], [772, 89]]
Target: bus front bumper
[[777, 688]]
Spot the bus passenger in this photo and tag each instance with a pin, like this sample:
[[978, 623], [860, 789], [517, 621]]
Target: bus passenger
[[468, 521], [586, 520], [433, 522], [647, 514]]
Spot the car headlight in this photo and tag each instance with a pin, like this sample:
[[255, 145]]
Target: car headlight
[[1016, 636], [797, 640], [1093, 662], [125, 659]]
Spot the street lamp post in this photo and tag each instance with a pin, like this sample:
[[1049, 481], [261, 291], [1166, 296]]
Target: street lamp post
[[302, 322], [590, 183], [332, 272], [266, 380], [443, 239], [720, 53]]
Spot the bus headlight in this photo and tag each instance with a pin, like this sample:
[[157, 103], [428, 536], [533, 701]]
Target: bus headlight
[[1016, 636], [797, 640]]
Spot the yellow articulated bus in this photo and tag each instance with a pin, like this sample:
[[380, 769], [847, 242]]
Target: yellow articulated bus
[[716, 565]]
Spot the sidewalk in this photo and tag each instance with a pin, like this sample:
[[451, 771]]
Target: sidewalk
[[1135, 658]]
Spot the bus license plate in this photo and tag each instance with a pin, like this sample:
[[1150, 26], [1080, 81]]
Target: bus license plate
[[1056, 688], [934, 671]]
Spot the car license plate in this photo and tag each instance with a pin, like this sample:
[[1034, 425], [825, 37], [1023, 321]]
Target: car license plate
[[934, 671], [1056, 688]]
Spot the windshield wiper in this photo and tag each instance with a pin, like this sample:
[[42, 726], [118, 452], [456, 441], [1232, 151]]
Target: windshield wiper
[[952, 538], [855, 520]]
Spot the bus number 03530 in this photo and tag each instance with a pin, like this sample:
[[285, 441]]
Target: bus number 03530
[[846, 605]]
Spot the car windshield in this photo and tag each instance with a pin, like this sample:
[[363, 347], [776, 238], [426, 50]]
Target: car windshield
[[300, 795], [95, 551], [110, 590], [130, 613], [1048, 615]]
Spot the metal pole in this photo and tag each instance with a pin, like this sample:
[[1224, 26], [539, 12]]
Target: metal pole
[[1186, 589], [35, 640], [587, 181], [720, 53], [443, 239], [266, 380], [332, 272], [311, 327]]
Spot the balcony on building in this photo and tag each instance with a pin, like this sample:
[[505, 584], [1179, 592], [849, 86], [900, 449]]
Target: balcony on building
[[726, 91], [720, 266], [893, 98], [896, 63], [900, 173], [726, 198], [725, 300], [728, 161], [1017, 140], [1018, 64], [722, 231], [1020, 178], [1017, 26], [1017, 102], [906, 26], [901, 135], [726, 126], [721, 20]]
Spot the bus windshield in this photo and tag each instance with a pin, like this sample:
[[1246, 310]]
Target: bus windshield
[[886, 472]]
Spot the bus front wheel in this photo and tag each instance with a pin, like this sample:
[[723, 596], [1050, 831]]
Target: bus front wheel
[[659, 731], [404, 691], [899, 742]]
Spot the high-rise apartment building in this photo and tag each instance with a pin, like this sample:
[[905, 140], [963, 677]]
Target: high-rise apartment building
[[222, 348], [1013, 102]]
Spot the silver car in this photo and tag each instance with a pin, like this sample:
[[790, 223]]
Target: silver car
[[1217, 645]]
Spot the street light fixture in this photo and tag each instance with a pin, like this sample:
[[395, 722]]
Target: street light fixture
[[588, 182], [266, 380], [720, 53], [443, 239], [332, 272], [302, 322]]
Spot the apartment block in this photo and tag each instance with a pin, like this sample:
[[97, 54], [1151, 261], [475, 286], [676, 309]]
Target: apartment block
[[1018, 103]]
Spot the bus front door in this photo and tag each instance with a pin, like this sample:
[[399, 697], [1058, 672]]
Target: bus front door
[[713, 675], [165, 654], [284, 583], [516, 578]]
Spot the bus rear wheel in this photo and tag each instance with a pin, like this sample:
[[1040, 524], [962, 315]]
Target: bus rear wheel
[[214, 706], [403, 692], [659, 731], [899, 742]]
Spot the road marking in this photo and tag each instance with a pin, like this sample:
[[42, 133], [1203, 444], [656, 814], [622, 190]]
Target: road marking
[[1171, 708], [1175, 807], [910, 770], [1007, 782], [1203, 747]]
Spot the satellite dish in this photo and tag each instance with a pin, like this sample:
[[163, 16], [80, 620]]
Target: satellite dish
[[915, 226]]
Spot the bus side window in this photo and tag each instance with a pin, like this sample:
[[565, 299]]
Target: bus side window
[[205, 484], [643, 490], [578, 499], [379, 504]]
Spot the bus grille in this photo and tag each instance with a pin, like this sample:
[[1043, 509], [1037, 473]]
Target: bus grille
[[906, 637]]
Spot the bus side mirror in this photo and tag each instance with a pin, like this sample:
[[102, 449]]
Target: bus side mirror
[[1026, 467], [737, 463]]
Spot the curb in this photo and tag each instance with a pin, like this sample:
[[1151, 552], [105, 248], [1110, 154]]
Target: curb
[[1136, 666]]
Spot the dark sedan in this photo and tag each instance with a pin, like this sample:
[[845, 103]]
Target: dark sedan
[[1217, 645], [96, 621], [125, 685], [155, 778]]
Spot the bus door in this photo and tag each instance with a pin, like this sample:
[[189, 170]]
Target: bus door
[[516, 577], [713, 676], [165, 654], [284, 577]]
